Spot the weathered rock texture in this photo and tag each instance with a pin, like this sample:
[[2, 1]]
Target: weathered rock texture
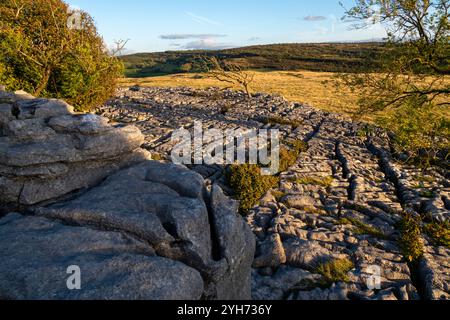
[[48, 151], [346, 179], [137, 229]]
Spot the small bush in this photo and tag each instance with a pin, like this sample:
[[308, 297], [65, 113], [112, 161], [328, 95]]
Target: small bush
[[335, 270], [410, 239], [439, 233], [249, 184]]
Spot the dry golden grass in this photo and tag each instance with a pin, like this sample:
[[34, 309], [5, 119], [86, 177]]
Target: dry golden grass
[[313, 88], [301, 86]]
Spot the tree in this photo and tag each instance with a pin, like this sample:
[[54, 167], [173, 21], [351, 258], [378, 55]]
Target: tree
[[227, 72], [50, 50], [412, 86]]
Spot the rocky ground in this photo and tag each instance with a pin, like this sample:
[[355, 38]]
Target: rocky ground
[[340, 203], [78, 191]]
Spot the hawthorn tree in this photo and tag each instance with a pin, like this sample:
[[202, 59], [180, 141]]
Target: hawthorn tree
[[50, 50], [411, 93], [227, 72]]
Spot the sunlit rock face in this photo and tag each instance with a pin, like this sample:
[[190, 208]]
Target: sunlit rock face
[[88, 196]]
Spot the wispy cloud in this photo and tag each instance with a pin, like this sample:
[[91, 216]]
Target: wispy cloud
[[184, 36], [253, 39], [203, 20], [206, 45], [314, 18]]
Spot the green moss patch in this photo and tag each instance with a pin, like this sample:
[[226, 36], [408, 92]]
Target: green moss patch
[[335, 270]]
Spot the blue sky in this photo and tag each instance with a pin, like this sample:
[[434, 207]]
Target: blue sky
[[160, 25]]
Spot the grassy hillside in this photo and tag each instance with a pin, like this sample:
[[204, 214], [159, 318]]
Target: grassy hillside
[[330, 57]]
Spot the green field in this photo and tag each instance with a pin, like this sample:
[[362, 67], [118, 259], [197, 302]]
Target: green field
[[327, 57]]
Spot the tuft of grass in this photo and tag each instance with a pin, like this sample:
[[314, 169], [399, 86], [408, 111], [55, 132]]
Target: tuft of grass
[[427, 194], [157, 157], [335, 270], [278, 195], [361, 227], [439, 232], [325, 182], [249, 184], [290, 153], [283, 121], [410, 240], [422, 178], [343, 222]]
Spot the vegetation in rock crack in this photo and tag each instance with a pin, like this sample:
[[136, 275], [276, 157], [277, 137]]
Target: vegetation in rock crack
[[335, 270], [325, 182], [361, 227], [282, 121], [410, 92], [439, 232], [42, 53], [290, 153], [278, 195], [410, 240], [249, 184]]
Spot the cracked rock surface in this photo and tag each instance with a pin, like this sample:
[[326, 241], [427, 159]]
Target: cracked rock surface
[[86, 195], [341, 201]]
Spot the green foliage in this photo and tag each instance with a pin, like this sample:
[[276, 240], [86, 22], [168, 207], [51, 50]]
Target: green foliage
[[411, 91], [40, 52], [334, 57], [420, 130], [249, 184], [290, 153], [410, 239], [335, 270], [439, 232]]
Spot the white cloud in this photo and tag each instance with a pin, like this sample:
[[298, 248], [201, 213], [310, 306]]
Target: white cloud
[[202, 20], [206, 44]]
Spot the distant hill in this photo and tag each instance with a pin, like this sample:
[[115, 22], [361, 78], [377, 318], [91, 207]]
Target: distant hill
[[328, 57]]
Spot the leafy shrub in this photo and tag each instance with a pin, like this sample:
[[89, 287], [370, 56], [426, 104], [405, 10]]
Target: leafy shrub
[[249, 184], [439, 233], [410, 239], [420, 130], [42, 53]]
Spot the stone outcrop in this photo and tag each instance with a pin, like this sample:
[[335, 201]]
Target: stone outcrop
[[49, 151], [90, 197]]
